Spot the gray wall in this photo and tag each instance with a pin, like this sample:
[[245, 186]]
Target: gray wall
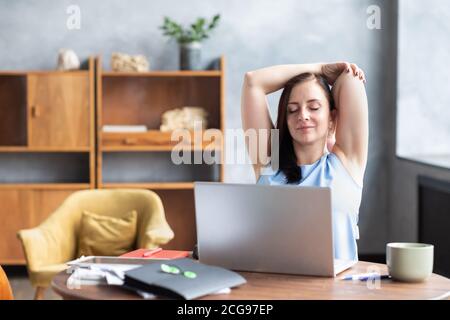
[[403, 217], [423, 115], [252, 34], [422, 102]]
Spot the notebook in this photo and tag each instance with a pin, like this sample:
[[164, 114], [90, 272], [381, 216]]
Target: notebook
[[208, 279], [163, 254]]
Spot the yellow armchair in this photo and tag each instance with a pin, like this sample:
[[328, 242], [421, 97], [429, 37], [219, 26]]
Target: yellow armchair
[[54, 242]]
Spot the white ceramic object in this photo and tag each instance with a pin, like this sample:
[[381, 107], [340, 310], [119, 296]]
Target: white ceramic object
[[68, 60], [409, 262]]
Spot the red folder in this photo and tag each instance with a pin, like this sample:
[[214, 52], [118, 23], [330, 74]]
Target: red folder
[[163, 254]]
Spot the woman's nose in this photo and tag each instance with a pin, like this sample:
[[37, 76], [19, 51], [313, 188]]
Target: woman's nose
[[303, 115]]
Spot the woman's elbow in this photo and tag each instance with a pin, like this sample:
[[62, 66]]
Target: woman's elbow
[[249, 78], [348, 80]]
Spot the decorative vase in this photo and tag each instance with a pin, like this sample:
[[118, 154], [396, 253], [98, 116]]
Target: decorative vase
[[190, 56]]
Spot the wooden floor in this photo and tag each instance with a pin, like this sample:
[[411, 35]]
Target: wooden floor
[[21, 286]]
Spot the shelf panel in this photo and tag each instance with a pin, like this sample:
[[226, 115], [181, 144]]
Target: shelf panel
[[120, 105], [43, 149], [13, 262], [13, 101], [45, 167], [46, 186], [175, 73], [12, 73], [58, 73], [41, 72], [152, 185], [159, 167], [152, 140], [155, 148]]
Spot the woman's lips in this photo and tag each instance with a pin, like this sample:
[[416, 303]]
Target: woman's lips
[[304, 128]]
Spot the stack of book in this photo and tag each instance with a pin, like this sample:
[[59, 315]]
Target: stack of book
[[124, 128]]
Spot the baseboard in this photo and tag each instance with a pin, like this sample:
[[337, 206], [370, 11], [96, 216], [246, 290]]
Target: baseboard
[[12, 271], [376, 258]]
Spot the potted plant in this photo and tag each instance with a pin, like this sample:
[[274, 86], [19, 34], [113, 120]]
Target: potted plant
[[189, 39]]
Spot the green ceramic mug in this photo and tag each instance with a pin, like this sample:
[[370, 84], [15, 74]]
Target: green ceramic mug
[[409, 262]]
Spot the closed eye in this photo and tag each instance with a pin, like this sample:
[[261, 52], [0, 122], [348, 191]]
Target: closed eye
[[292, 110], [315, 106]]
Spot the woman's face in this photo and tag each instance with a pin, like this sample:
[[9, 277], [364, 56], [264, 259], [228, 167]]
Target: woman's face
[[308, 114]]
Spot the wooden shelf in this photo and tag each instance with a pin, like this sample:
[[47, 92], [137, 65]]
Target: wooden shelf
[[13, 100], [13, 73], [47, 147], [41, 72], [152, 140], [46, 186], [144, 160], [203, 73], [13, 262], [152, 185], [56, 72], [43, 149], [155, 148]]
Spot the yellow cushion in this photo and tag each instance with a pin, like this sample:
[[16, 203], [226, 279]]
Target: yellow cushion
[[107, 236]]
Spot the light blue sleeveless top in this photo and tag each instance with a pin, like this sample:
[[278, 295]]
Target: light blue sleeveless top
[[346, 195]]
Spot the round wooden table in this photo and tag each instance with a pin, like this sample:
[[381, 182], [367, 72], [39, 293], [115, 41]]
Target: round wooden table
[[280, 286]]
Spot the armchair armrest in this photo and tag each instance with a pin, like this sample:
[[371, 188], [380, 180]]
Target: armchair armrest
[[43, 255], [53, 241], [42, 248], [154, 229]]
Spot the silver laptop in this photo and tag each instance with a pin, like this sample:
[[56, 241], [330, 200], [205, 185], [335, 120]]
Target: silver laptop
[[277, 229]]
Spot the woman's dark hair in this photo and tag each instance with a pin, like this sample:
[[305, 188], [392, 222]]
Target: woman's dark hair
[[287, 157]]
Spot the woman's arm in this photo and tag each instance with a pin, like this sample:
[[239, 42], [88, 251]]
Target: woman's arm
[[254, 106], [352, 132]]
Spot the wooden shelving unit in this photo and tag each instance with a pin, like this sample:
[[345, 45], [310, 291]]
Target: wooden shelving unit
[[153, 140], [45, 186], [44, 149], [52, 144], [142, 160], [181, 73], [47, 147], [153, 186]]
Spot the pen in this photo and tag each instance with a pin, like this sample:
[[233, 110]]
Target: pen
[[151, 252], [360, 276], [376, 276]]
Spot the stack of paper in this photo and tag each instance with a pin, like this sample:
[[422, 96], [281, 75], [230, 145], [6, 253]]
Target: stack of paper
[[124, 128], [148, 281], [99, 274]]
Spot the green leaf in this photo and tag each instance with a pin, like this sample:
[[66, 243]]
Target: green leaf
[[198, 30]]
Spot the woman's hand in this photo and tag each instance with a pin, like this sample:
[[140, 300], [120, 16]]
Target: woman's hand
[[331, 71]]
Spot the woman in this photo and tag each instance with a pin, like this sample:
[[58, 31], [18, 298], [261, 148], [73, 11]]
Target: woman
[[323, 135]]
